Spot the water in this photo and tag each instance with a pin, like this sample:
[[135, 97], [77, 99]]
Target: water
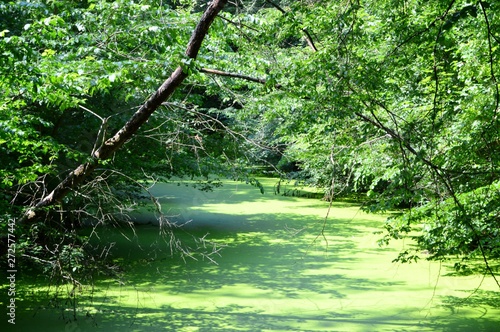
[[275, 271]]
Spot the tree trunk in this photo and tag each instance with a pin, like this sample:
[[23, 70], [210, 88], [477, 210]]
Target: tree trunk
[[109, 147]]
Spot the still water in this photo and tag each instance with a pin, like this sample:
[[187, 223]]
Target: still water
[[256, 262]]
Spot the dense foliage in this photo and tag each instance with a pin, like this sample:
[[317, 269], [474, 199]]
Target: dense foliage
[[69, 72], [398, 100]]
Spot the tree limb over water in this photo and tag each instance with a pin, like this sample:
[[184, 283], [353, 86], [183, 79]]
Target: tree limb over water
[[110, 146]]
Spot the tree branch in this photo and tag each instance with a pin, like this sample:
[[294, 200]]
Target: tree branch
[[109, 147], [237, 24], [234, 75]]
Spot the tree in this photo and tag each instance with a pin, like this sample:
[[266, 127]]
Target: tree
[[67, 76], [397, 100], [111, 145]]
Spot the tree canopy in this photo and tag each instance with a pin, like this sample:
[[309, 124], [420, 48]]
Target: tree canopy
[[396, 101]]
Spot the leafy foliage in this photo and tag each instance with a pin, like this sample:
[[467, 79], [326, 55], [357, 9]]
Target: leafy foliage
[[71, 76], [398, 100]]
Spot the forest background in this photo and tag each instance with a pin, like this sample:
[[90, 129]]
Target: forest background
[[393, 101]]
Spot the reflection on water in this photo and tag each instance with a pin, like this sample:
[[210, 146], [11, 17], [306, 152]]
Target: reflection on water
[[275, 272]]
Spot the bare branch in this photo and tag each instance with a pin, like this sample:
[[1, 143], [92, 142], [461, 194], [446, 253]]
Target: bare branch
[[237, 24], [234, 75]]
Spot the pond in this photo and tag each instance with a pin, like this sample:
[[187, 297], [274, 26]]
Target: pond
[[268, 263]]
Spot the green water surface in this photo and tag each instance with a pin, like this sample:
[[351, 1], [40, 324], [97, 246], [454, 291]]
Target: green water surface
[[276, 272]]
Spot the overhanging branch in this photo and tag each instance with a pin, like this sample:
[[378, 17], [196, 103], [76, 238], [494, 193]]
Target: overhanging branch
[[233, 75], [109, 147], [236, 75]]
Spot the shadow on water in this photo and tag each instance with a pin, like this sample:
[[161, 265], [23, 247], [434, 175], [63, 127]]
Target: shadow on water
[[276, 272], [234, 318], [259, 254]]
